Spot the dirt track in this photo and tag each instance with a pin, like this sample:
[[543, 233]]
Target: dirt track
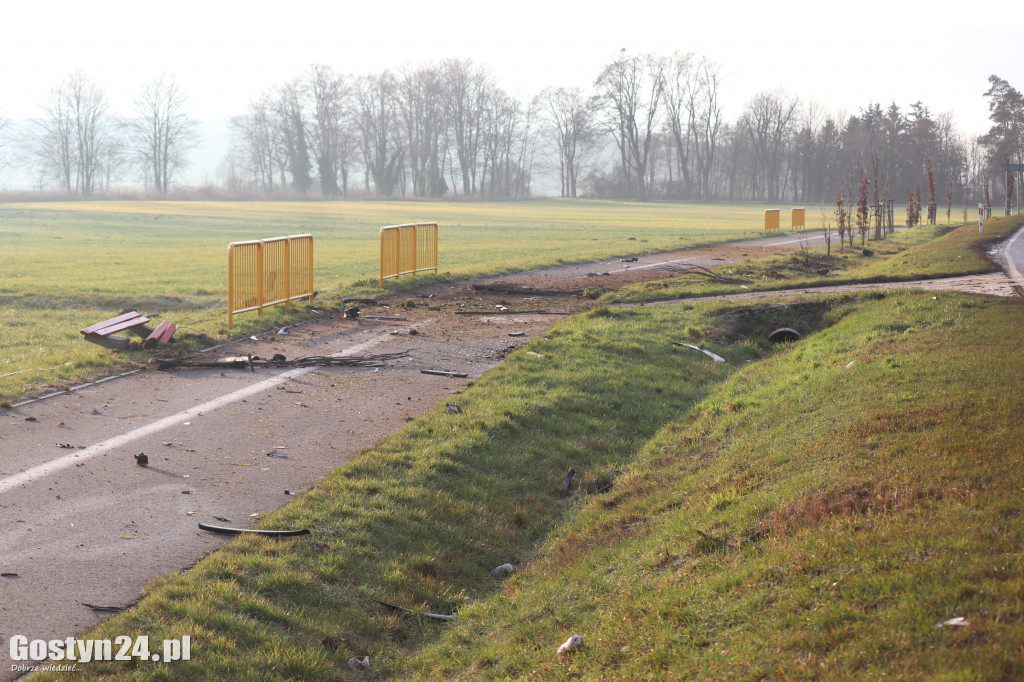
[[85, 524]]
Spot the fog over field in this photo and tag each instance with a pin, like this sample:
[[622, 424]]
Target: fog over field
[[801, 69]]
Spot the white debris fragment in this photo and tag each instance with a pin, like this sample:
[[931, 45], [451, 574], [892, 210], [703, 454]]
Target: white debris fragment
[[959, 621], [850, 364], [716, 358], [571, 644]]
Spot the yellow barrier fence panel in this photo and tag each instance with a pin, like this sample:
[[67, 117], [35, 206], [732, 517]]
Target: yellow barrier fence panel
[[300, 266], [274, 267], [407, 249], [797, 221], [269, 271], [771, 219]]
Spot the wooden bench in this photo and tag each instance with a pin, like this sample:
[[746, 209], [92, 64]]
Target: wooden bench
[[103, 333]]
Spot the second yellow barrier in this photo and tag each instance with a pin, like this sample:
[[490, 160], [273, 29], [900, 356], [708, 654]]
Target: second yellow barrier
[[407, 249], [269, 271]]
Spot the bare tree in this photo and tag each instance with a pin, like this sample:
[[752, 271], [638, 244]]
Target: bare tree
[[163, 132], [261, 144], [769, 117], [630, 91], [377, 121], [328, 102], [293, 128], [467, 88], [75, 134], [707, 117], [421, 106], [681, 95], [569, 118]]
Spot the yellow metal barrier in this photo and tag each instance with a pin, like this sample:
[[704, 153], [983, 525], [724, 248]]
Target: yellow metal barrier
[[798, 219], [771, 219], [407, 249], [269, 271]]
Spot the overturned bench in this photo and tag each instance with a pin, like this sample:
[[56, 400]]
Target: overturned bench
[[103, 333]]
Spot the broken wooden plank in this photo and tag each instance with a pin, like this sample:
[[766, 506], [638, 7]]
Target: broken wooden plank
[[444, 373]]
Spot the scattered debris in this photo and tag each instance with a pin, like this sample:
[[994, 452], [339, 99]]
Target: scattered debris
[[628, 260], [359, 665], [414, 332], [141, 459], [281, 361], [567, 481], [533, 354], [784, 334], [67, 446], [510, 312], [850, 364], [958, 621], [517, 333], [384, 317], [701, 271], [167, 443], [102, 609], [251, 531], [716, 358], [351, 313], [445, 373], [31, 419], [506, 289], [278, 454], [283, 331], [452, 408], [9, 575], [503, 571], [571, 644], [288, 492], [427, 614]]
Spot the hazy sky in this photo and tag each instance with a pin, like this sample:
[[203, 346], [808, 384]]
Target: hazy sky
[[225, 53]]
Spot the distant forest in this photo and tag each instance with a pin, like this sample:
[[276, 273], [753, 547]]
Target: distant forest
[[650, 128]]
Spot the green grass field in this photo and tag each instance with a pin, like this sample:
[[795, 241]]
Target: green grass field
[[68, 265], [806, 511]]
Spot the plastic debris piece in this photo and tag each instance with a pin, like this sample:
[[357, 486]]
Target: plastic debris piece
[[958, 621], [141, 459], [452, 408], [567, 481], [359, 665], [850, 364], [252, 531], [278, 454], [716, 358], [503, 571], [571, 644]]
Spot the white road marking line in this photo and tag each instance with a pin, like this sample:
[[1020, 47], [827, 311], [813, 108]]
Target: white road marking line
[[1009, 262], [80, 456]]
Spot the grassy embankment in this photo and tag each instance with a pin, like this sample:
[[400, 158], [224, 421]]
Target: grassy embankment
[[925, 252], [69, 265], [814, 513]]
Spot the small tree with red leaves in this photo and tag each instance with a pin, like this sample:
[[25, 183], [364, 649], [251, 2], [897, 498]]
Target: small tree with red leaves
[[862, 209], [932, 209], [914, 206], [949, 202], [841, 213]]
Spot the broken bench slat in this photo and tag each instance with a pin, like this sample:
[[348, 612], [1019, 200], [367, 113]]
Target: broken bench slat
[[162, 334], [117, 324]]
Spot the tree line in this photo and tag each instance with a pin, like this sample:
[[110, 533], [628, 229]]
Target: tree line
[[651, 127]]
